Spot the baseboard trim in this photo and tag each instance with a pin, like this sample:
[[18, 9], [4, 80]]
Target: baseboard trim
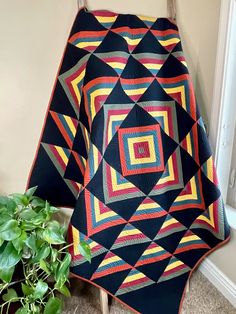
[[219, 280]]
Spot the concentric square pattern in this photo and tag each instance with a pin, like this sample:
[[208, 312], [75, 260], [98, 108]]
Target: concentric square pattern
[[140, 149]]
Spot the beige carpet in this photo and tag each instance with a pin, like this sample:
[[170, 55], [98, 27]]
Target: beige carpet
[[203, 298]]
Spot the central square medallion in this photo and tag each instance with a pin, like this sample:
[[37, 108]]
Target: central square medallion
[[140, 149]]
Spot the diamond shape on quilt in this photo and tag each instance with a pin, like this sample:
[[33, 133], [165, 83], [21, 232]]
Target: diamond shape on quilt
[[99, 216], [153, 261], [153, 254], [132, 239], [187, 244], [105, 18], [133, 33], [169, 227], [190, 241], [117, 60], [135, 88], [165, 114], [72, 82], [110, 264], [174, 269], [154, 56], [212, 220], [88, 40], [167, 38], [191, 196], [147, 20], [148, 209], [140, 149], [134, 281], [129, 236]]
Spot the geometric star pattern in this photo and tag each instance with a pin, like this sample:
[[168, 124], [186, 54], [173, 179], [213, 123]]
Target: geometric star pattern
[[124, 146]]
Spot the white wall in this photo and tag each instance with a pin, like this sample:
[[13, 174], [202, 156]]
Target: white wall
[[32, 38]]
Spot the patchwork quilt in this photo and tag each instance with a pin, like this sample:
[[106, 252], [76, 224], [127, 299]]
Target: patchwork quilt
[[124, 145]]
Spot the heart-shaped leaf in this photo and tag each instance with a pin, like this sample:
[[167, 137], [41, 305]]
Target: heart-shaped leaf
[[63, 289], [40, 289], [22, 310], [53, 233], [11, 295], [27, 290], [30, 192], [42, 253], [20, 241], [31, 243], [9, 256], [20, 199], [6, 274], [10, 230], [53, 306]]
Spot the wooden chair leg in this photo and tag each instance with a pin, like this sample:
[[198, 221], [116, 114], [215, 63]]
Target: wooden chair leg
[[104, 302], [188, 286]]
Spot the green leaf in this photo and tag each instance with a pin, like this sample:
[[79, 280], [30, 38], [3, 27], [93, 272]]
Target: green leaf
[[63, 289], [53, 209], [27, 225], [53, 233], [27, 290], [54, 267], [40, 289], [27, 214], [43, 266], [6, 274], [37, 201], [1, 242], [20, 199], [84, 249], [4, 211], [42, 253], [9, 256], [31, 243], [22, 310], [53, 306], [39, 219], [11, 205], [11, 295], [20, 241], [63, 270], [54, 255], [10, 230], [30, 192]]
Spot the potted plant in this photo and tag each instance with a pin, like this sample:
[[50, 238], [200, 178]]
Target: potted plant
[[33, 250]]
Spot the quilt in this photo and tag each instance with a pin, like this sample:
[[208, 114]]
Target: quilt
[[125, 147]]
